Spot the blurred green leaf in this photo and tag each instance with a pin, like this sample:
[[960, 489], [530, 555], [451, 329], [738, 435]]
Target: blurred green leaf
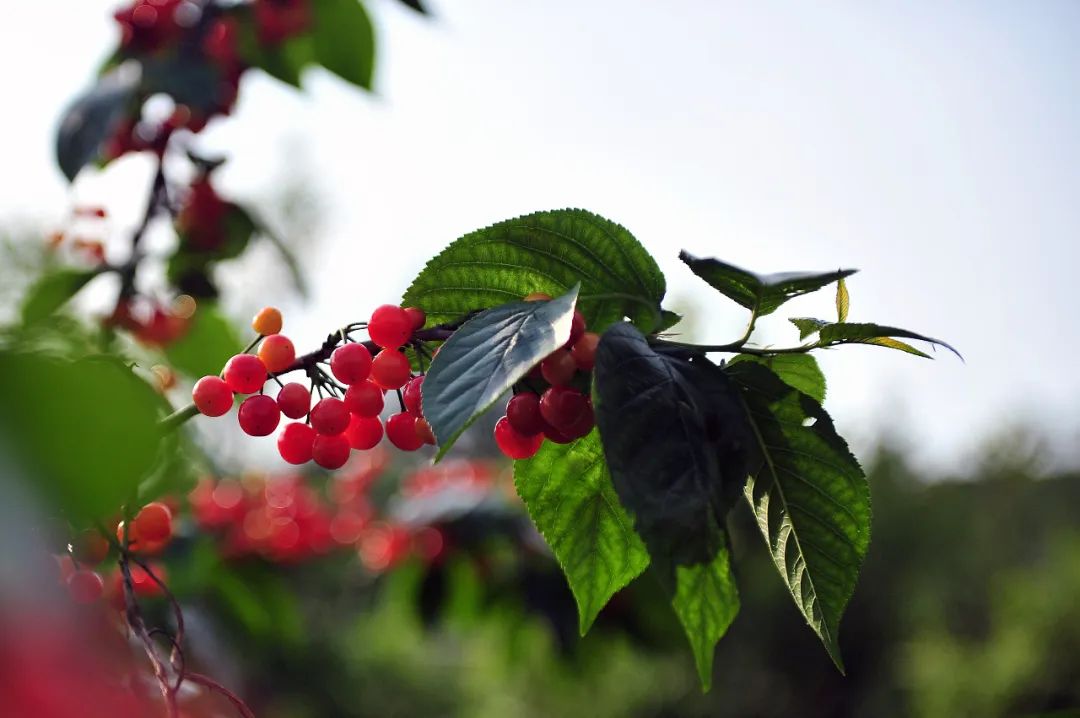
[[94, 116], [52, 291], [766, 292], [488, 355], [343, 40], [810, 497], [285, 60], [799, 371], [543, 252], [569, 495], [86, 431], [209, 342]]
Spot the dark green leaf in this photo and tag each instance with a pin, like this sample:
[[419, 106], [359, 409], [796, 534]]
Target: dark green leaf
[[239, 227], [706, 601], [766, 292], [343, 40], [676, 441], [848, 333], [52, 291], [843, 300], [415, 5], [808, 326], [568, 492], [85, 432], [209, 342], [487, 356], [668, 319], [799, 371], [189, 80], [94, 117], [810, 497], [544, 252]]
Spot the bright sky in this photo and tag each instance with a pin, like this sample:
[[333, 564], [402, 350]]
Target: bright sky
[[934, 146]]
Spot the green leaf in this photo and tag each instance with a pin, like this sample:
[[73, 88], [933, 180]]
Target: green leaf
[[415, 5], [85, 432], [343, 40], [284, 61], [675, 437], [843, 300], [799, 371], [487, 356], [810, 497], [568, 492], [209, 342], [94, 117], [544, 252], [52, 291], [766, 292], [875, 334], [668, 319], [706, 601], [239, 228], [808, 326]]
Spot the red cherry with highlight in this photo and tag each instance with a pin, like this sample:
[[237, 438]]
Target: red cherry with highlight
[[295, 442], [245, 373], [259, 414], [401, 430], [153, 523], [351, 363], [423, 430], [364, 399], [294, 400], [418, 317], [411, 396], [523, 413], [277, 353], [390, 369], [330, 452], [329, 416], [515, 444], [212, 396], [390, 326], [559, 368], [90, 547], [584, 351], [364, 432], [85, 586], [562, 406]]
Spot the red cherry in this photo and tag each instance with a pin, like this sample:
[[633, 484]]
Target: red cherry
[[294, 400], [401, 430], [583, 424], [212, 396], [245, 373], [390, 369], [259, 415], [562, 406], [523, 413], [330, 452], [364, 432], [577, 328], [418, 317], [364, 399], [515, 444], [144, 584], [351, 363], [423, 430], [411, 396], [390, 326], [85, 586], [553, 434], [153, 523], [277, 353], [584, 350], [329, 417], [90, 547], [559, 368], [295, 442]]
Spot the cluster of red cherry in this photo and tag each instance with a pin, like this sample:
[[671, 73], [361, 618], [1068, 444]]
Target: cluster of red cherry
[[148, 534], [561, 412], [345, 420]]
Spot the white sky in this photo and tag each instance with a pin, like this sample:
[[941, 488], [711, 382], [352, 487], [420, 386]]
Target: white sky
[[935, 146]]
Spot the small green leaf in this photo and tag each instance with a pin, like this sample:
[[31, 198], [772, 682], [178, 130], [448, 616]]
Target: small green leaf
[[239, 228], [569, 495], [85, 432], [668, 319], [94, 117], [848, 333], [799, 371], [843, 300], [706, 602], [896, 344], [810, 497], [209, 342], [544, 252], [808, 326], [285, 60], [52, 291], [765, 292], [343, 40], [488, 355]]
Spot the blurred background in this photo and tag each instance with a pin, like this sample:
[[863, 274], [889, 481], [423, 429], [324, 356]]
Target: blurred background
[[933, 147]]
